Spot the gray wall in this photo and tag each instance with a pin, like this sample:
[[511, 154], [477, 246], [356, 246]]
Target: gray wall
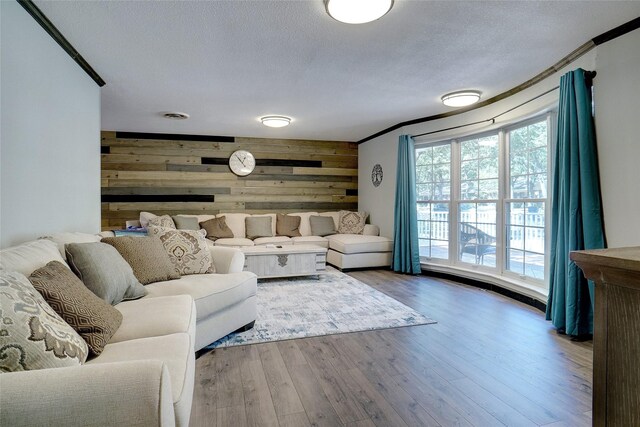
[[617, 103], [50, 135]]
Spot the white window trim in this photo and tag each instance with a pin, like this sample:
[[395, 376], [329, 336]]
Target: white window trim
[[495, 275]]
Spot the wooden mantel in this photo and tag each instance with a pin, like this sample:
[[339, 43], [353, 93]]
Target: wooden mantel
[[616, 337]]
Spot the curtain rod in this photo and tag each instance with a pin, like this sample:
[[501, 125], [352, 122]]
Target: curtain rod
[[588, 74]]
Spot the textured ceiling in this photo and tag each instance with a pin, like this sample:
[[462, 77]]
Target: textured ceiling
[[226, 63]]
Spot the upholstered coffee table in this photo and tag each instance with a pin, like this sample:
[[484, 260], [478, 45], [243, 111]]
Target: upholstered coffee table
[[285, 260]]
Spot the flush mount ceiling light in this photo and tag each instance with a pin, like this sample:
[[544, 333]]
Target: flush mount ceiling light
[[357, 11], [461, 98], [176, 116], [275, 121]]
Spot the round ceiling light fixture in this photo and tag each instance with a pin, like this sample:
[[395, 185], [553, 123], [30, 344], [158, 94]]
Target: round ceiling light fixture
[[357, 11], [275, 121], [461, 98], [176, 116]]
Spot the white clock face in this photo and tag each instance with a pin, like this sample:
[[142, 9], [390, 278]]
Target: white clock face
[[242, 162]]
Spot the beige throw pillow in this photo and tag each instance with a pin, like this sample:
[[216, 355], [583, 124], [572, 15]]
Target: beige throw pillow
[[186, 222], [164, 221], [322, 225], [32, 334], [103, 270], [352, 222], [187, 249], [146, 256], [258, 226], [217, 228], [288, 225], [91, 317]]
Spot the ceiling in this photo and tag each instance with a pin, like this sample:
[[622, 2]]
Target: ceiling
[[226, 63]]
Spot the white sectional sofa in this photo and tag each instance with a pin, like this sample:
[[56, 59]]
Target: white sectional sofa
[[145, 375], [346, 251]]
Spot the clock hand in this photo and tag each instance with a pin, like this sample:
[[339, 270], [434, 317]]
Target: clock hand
[[241, 160]]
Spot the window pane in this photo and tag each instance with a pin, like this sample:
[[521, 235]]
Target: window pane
[[479, 169], [526, 238], [433, 176], [528, 161], [476, 233]]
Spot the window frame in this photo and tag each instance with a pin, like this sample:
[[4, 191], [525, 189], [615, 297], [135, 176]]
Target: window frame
[[504, 197]]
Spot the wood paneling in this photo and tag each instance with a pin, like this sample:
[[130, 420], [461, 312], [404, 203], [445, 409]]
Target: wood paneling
[[191, 176]]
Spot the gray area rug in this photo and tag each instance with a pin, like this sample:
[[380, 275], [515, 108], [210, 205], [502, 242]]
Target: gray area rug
[[334, 303]]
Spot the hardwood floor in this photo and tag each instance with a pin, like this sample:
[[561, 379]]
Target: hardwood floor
[[489, 361]]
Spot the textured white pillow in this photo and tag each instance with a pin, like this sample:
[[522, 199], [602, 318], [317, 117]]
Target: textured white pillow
[[145, 217], [28, 257], [62, 239], [32, 334]]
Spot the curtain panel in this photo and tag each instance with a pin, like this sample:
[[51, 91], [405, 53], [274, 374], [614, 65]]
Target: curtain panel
[[406, 256], [576, 207]]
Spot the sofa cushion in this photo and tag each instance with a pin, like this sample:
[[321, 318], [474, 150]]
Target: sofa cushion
[[91, 317], [275, 240], [103, 270], [334, 215], [27, 257], [211, 292], [146, 256], [235, 221], [310, 240], [358, 243], [32, 334], [217, 228], [185, 222], [62, 239], [258, 226], [187, 249], [145, 217], [234, 242], [288, 225], [322, 225], [351, 222], [152, 317], [163, 221], [175, 351], [305, 229]]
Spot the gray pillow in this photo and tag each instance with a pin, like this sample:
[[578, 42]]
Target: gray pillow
[[258, 226], [103, 270], [322, 225], [186, 222]]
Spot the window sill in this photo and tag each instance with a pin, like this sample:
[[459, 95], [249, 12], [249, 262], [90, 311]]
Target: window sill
[[520, 287]]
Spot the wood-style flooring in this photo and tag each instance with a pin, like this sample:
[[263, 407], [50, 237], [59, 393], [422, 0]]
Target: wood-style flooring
[[489, 361]]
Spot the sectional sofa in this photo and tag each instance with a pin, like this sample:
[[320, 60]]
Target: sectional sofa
[[145, 374], [346, 251]]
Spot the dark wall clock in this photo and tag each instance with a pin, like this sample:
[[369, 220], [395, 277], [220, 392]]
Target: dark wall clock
[[376, 175]]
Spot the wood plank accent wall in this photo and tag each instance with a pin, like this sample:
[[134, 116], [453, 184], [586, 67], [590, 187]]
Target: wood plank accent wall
[[171, 174]]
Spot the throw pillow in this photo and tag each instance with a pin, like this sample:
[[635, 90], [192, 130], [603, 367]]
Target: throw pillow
[[145, 217], [32, 334], [164, 221], [146, 256], [258, 226], [188, 251], [322, 225], [27, 257], [186, 222], [287, 225], [103, 270], [217, 228], [92, 318], [351, 222]]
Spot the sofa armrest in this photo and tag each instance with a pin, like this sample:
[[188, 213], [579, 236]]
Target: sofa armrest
[[104, 234], [227, 260], [113, 394], [371, 230]]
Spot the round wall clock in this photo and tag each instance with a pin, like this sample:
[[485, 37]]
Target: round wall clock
[[242, 162], [376, 175]]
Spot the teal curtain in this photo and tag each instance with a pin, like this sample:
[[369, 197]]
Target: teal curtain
[[576, 207], [406, 256]]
